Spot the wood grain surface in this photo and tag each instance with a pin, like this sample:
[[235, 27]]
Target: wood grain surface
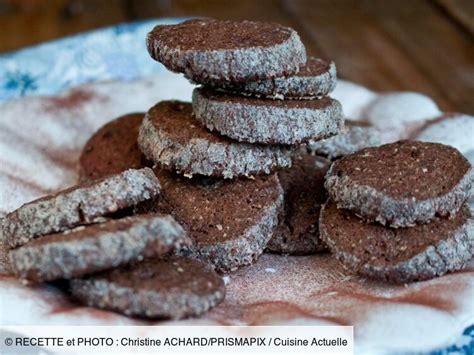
[[419, 45]]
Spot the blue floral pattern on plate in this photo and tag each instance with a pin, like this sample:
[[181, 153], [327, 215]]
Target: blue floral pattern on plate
[[113, 53]]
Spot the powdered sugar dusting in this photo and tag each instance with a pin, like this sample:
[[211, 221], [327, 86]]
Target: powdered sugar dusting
[[398, 114], [354, 99], [226, 279], [314, 289], [456, 130], [39, 149], [41, 137], [319, 288]]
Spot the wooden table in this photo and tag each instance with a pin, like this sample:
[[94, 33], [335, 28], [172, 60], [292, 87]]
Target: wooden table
[[419, 45]]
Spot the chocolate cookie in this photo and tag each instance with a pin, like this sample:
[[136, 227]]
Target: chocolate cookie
[[267, 121], [229, 221], [88, 249], [170, 137], [5, 267], [78, 205], [352, 138], [398, 255], [304, 193], [211, 51], [113, 149], [172, 288], [402, 183], [315, 79]]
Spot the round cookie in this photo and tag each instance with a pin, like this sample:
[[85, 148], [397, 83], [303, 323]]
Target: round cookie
[[454, 129], [229, 221], [315, 79], [398, 255], [304, 193], [88, 249], [112, 149], [211, 51], [401, 184], [77, 205], [353, 137], [171, 137], [267, 121], [397, 114], [175, 287]]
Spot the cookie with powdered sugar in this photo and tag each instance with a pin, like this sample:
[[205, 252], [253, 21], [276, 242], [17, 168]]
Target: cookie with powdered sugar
[[266, 121], [5, 267], [401, 184], [454, 129], [304, 193], [170, 137], [211, 51], [175, 287], [97, 247], [113, 149], [315, 79], [229, 221], [355, 136], [398, 255], [78, 205], [397, 114]]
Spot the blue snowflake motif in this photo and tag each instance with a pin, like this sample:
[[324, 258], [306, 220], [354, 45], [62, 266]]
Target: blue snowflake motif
[[467, 348], [20, 82]]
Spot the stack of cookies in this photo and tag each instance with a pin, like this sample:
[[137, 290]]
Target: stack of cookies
[[399, 212], [213, 199], [260, 98], [169, 197]]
